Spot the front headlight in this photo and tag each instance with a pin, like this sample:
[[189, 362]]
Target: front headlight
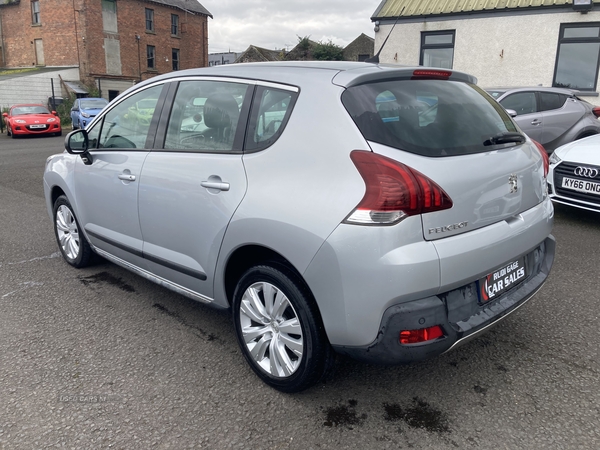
[[20, 121], [84, 114], [554, 159], [51, 119]]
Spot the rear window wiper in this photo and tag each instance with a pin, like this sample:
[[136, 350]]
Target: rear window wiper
[[505, 138]]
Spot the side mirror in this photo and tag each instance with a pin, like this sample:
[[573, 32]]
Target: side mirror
[[76, 143], [4, 114], [511, 112], [55, 113]]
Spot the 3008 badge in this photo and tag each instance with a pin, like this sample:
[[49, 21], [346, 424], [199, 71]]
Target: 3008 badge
[[499, 281]]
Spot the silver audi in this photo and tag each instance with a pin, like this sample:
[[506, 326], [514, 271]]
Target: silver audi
[[383, 212]]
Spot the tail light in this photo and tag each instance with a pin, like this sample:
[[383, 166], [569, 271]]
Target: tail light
[[393, 191], [544, 153], [596, 111], [422, 335]]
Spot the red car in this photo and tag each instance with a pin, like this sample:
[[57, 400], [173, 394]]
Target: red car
[[25, 120]]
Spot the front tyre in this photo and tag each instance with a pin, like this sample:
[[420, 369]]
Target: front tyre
[[279, 329], [71, 242]]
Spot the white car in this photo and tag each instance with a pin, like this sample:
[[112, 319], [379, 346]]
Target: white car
[[574, 177]]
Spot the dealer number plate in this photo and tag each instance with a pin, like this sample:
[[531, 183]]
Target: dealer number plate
[[496, 283], [37, 126], [589, 187]]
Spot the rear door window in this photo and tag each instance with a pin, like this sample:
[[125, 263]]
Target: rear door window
[[270, 113], [206, 116], [427, 117], [551, 100]]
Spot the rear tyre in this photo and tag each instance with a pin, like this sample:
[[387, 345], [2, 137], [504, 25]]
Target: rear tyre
[[72, 243], [279, 329]]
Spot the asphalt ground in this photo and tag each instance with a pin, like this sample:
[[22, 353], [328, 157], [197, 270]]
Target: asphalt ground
[[101, 358]]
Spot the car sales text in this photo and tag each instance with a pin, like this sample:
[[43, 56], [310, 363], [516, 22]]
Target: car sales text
[[505, 278]]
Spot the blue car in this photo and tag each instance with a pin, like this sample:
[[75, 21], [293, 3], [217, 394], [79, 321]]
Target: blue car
[[85, 109]]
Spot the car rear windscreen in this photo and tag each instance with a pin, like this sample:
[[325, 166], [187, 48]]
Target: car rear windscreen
[[427, 117]]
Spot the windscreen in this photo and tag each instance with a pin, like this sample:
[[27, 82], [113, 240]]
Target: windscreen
[[428, 117], [93, 104]]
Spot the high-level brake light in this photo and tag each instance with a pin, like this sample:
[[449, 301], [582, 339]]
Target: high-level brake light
[[430, 73]]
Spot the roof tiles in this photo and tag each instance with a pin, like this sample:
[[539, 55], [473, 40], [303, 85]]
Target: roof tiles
[[412, 8]]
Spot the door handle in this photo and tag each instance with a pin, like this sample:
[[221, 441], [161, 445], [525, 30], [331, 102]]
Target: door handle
[[536, 122], [127, 177], [219, 185]]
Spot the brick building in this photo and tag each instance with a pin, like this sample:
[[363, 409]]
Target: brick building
[[114, 43]]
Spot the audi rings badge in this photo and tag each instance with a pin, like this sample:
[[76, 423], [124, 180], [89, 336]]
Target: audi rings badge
[[587, 172]]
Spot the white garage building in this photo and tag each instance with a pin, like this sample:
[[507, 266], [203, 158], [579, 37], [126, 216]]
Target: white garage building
[[504, 43]]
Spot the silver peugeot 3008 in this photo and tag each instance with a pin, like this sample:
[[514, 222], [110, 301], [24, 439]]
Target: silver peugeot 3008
[[383, 212]]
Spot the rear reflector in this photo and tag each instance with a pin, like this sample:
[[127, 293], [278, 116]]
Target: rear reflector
[[545, 157], [436, 74], [596, 111], [422, 335]]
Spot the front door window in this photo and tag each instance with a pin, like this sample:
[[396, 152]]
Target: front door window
[[127, 124]]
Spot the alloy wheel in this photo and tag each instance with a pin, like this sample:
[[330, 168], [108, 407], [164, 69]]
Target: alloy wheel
[[271, 329], [67, 232]]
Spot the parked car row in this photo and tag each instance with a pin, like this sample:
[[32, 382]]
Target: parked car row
[[569, 129], [36, 119], [402, 217]]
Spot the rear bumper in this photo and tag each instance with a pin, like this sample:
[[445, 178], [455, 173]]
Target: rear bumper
[[459, 315]]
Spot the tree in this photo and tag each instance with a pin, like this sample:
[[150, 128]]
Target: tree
[[328, 51]]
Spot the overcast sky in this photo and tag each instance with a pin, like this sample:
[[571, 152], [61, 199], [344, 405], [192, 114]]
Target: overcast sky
[[276, 24]]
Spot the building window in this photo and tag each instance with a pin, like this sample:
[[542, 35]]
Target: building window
[[109, 16], [174, 24], [39, 52], [577, 56], [363, 57], [437, 49], [35, 13], [151, 56], [175, 58], [149, 19]]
